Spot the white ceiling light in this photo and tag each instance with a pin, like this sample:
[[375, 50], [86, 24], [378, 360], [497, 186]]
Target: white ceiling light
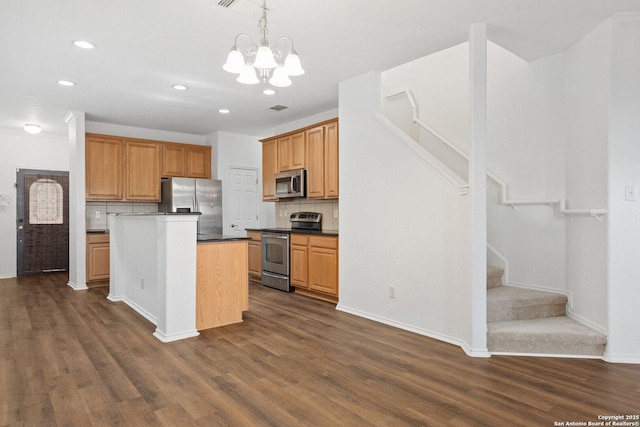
[[258, 63], [269, 92], [32, 129], [180, 87], [84, 44], [224, 111], [66, 83]]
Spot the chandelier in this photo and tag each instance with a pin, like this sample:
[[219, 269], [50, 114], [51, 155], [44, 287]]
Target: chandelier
[[264, 63]]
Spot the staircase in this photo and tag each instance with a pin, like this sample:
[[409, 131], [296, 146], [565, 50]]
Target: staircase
[[524, 321]]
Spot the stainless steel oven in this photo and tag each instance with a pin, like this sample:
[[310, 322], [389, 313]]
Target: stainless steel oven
[[275, 261]]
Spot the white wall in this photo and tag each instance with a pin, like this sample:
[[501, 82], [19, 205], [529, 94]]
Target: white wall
[[21, 150], [144, 133], [307, 121], [524, 148], [401, 226], [587, 116], [624, 169]]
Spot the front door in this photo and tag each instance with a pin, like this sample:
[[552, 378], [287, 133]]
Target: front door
[[243, 201], [42, 219]]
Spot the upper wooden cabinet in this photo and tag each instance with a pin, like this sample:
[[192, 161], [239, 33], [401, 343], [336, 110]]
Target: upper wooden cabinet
[[322, 161], [314, 148], [185, 160], [142, 170], [291, 152], [103, 167], [269, 169]]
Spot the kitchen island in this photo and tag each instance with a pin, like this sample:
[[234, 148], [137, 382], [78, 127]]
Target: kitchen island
[[179, 283]]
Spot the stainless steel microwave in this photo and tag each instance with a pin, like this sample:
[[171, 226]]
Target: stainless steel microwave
[[291, 183]]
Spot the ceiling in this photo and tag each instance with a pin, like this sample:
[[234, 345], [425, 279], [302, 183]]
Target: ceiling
[[146, 46]]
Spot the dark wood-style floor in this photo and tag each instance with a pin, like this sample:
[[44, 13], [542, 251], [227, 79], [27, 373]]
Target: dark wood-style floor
[[72, 358]]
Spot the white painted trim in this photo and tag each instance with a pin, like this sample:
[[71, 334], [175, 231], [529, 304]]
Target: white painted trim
[[564, 292], [586, 322], [137, 308], [632, 358], [423, 155], [175, 337], [76, 287], [424, 332]]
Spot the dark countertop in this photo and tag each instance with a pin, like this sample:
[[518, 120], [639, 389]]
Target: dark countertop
[[206, 238], [97, 231], [289, 231]]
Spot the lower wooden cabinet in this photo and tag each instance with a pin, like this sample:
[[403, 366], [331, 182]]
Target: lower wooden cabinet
[[222, 283], [97, 259], [255, 256], [314, 266]]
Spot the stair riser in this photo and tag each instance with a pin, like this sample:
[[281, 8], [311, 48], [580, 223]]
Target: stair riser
[[501, 314], [494, 282], [499, 345]]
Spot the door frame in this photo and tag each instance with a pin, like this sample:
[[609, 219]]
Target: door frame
[[19, 186]]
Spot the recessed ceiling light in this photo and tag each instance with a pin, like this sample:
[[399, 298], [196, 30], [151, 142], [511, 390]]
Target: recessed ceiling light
[[269, 92], [84, 44], [66, 83], [180, 87], [224, 111], [32, 129]]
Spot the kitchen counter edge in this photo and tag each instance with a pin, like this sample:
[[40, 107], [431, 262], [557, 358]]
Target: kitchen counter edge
[[289, 231]]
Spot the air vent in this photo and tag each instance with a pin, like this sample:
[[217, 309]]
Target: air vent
[[226, 3], [277, 107]]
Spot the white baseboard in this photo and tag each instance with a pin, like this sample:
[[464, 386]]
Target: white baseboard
[[632, 358], [420, 331], [76, 287], [562, 356]]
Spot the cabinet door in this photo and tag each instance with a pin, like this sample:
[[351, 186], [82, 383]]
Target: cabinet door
[[255, 253], [298, 266], [283, 153], [199, 162], [331, 161], [269, 168], [142, 160], [97, 257], [323, 265], [315, 162], [174, 160], [297, 151], [103, 163]]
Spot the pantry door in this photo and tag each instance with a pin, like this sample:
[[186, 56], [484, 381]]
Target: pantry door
[[243, 201], [42, 221]]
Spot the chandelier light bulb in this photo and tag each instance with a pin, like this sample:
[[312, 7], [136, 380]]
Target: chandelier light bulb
[[280, 78], [292, 64], [235, 61], [248, 75], [264, 58]]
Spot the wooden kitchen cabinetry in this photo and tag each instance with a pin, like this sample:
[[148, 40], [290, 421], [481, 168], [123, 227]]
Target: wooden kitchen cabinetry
[[97, 259], [255, 256], [104, 165], [314, 266], [142, 170], [186, 160], [291, 152], [269, 169], [322, 161]]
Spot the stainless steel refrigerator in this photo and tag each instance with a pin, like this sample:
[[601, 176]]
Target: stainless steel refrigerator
[[195, 195]]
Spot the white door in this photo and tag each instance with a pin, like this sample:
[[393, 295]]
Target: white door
[[243, 201]]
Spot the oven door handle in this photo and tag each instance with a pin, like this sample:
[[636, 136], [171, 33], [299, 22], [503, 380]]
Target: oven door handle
[[276, 236], [275, 276]]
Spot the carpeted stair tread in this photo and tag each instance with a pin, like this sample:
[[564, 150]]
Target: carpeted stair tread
[[494, 276], [506, 303], [553, 335]]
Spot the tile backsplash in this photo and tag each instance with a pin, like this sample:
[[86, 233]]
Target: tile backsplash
[[96, 212], [328, 209]]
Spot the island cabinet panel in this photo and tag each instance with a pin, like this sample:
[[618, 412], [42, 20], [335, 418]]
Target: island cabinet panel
[[199, 161], [142, 167], [222, 283], [103, 168], [269, 169], [255, 255], [97, 259]]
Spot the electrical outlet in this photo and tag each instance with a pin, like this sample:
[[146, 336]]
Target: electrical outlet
[[97, 214], [392, 291], [335, 213]]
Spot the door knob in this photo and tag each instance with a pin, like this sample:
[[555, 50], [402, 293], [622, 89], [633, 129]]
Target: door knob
[[233, 225], [20, 227]]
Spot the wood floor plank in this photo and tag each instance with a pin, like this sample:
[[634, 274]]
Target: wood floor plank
[[74, 358]]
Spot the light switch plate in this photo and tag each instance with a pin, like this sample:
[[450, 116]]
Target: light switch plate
[[631, 193]]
